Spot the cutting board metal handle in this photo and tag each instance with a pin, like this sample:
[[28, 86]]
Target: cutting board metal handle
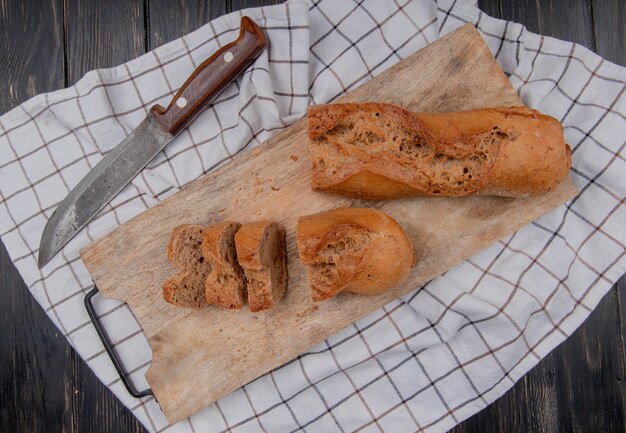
[[211, 77], [108, 347]]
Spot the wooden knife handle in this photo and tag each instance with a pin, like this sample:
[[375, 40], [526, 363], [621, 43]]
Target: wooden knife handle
[[211, 77]]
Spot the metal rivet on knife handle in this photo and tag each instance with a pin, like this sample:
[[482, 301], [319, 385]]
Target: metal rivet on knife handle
[[211, 76], [159, 127]]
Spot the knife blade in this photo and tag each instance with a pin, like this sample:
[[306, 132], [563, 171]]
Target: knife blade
[[160, 127]]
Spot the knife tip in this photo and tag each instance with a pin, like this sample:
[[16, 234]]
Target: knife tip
[[45, 245], [42, 259]]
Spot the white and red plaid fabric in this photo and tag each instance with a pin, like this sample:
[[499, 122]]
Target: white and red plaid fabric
[[424, 362]]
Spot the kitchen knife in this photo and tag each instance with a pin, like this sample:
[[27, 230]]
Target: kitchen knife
[[160, 127]]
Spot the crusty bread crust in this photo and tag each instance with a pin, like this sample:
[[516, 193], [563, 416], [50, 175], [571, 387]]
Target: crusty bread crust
[[225, 285], [376, 151], [355, 250], [261, 254]]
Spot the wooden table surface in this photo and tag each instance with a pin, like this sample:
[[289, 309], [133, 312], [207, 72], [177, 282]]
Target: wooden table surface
[[45, 386]]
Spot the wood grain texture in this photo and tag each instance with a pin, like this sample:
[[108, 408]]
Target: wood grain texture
[[92, 406], [29, 405], [99, 35], [609, 25], [566, 392], [31, 400], [578, 387], [242, 4], [492, 8], [620, 312], [569, 20], [201, 355], [32, 50], [575, 12], [102, 34], [171, 19], [602, 362], [540, 16]]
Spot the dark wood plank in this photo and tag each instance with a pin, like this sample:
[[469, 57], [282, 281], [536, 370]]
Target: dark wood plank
[[235, 5], [579, 386], [171, 19], [620, 312], [36, 374], [582, 373], [590, 367], [35, 383], [101, 35], [32, 50], [525, 12], [491, 7], [609, 19], [569, 20], [95, 409]]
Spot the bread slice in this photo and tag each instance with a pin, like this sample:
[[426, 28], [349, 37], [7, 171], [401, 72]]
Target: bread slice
[[376, 151], [262, 255], [355, 250], [187, 288], [225, 284]]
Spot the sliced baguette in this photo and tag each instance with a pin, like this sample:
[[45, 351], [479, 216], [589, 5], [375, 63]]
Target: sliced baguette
[[261, 254], [225, 284], [187, 288], [355, 250], [377, 151]]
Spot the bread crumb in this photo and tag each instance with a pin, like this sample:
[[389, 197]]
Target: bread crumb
[[308, 310], [294, 157]]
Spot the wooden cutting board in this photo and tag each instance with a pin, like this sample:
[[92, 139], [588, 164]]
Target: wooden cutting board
[[201, 355]]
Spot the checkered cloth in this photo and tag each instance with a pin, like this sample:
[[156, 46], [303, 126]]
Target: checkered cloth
[[424, 362]]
